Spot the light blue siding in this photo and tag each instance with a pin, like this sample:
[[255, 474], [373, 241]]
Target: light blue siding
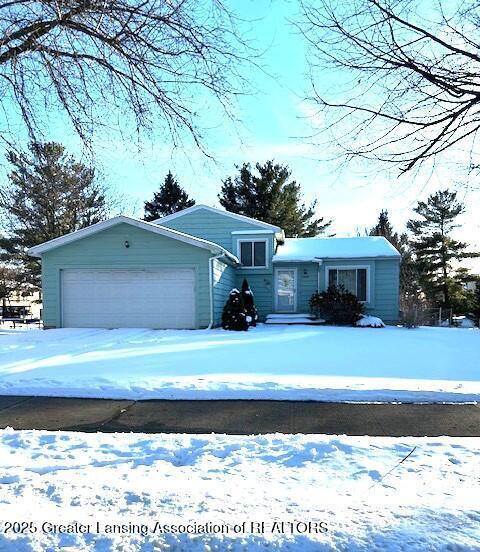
[[211, 226], [106, 249], [223, 283], [259, 279], [387, 284], [383, 284], [220, 229], [261, 285]]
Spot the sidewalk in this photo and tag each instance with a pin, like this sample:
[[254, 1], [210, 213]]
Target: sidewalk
[[240, 417]]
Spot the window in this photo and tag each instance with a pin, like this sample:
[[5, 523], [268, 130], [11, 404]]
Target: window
[[253, 253], [352, 279]]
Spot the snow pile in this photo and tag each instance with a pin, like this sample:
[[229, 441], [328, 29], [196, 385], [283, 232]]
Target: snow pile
[[462, 322], [309, 249], [324, 363], [357, 487], [368, 321]]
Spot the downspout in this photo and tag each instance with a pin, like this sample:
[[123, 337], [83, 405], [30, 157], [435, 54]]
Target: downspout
[[210, 281], [320, 262]]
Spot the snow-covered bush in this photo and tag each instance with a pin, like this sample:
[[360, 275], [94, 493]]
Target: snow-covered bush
[[249, 304], [368, 321], [234, 316], [337, 306]]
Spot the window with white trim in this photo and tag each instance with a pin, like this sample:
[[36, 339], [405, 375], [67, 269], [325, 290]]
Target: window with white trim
[[253, 253], [352, 279]]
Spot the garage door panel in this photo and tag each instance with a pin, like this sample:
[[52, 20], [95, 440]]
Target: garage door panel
[[158, 298]]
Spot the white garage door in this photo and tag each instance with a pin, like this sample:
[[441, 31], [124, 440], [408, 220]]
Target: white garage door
[[150, 298]]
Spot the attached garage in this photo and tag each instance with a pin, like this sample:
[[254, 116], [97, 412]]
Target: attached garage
[[124, 273], [114, 298]]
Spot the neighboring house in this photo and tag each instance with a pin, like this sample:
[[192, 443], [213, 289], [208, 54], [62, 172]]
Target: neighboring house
[[22, 305], [177, 272]]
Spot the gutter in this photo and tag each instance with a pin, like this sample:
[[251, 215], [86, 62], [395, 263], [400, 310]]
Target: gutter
[[319, 262]]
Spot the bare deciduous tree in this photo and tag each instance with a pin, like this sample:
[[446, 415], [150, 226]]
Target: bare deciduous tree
[[413, 72], [103, 61]]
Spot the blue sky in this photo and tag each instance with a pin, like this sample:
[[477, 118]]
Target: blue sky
[[276, 124]]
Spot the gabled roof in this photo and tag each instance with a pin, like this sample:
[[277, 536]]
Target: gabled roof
[[197, 207], [311, 249], [37, 250]]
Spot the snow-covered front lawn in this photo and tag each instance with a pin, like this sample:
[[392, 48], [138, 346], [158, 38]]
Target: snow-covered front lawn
[[268, 362], [357, 487]]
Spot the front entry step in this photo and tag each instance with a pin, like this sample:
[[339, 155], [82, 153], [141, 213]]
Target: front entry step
[[305, 319]]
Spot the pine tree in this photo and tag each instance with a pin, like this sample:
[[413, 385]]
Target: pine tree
[[476, 304], [384, 228], [270, 196], [48, 194], [249, 304], [170, 199], [436, 251], [234, 316]]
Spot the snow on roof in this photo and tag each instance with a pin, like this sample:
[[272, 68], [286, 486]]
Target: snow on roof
[[309, 249]]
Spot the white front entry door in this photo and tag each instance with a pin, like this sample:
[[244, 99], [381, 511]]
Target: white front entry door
[[128, 298], [286, 290]]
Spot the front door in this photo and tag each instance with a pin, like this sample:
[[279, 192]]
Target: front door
[[286, 289]]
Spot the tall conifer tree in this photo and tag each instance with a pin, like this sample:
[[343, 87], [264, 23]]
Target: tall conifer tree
[[437, 253], [169, 199], [270, 196], [48, 194]]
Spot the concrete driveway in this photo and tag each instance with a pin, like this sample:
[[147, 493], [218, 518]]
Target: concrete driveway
[[239, 417]]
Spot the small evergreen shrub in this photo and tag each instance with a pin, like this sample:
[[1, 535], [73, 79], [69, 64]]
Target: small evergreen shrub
[[249, 304], [234, 316], [337, 306]]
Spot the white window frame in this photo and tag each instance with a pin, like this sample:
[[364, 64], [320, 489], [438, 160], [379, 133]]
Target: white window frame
[[349, 267], [253, 240]]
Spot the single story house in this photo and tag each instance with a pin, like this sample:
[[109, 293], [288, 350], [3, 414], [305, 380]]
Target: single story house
[[177, 272]]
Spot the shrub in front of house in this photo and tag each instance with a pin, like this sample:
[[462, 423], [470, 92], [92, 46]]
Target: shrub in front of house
[[234, 316], [337, 306], [249, 303]]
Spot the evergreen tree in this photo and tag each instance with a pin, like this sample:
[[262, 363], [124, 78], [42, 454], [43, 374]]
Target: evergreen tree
[[234, 316], [170, 199], [249, 304], [384, 228], [48, 194], [270, 196], [476, 304], [436, 251]]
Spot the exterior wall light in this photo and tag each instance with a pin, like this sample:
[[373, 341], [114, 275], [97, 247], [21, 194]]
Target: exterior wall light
[[127, 244]]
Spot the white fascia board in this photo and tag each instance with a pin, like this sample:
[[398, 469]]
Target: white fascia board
[[37, 250], [236, 216], [297, 260], [248, 232], [354, 258], [321, 259]]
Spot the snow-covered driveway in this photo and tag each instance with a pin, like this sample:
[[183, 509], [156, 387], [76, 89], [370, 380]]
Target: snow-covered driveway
[[358, 487], [296, 363]]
